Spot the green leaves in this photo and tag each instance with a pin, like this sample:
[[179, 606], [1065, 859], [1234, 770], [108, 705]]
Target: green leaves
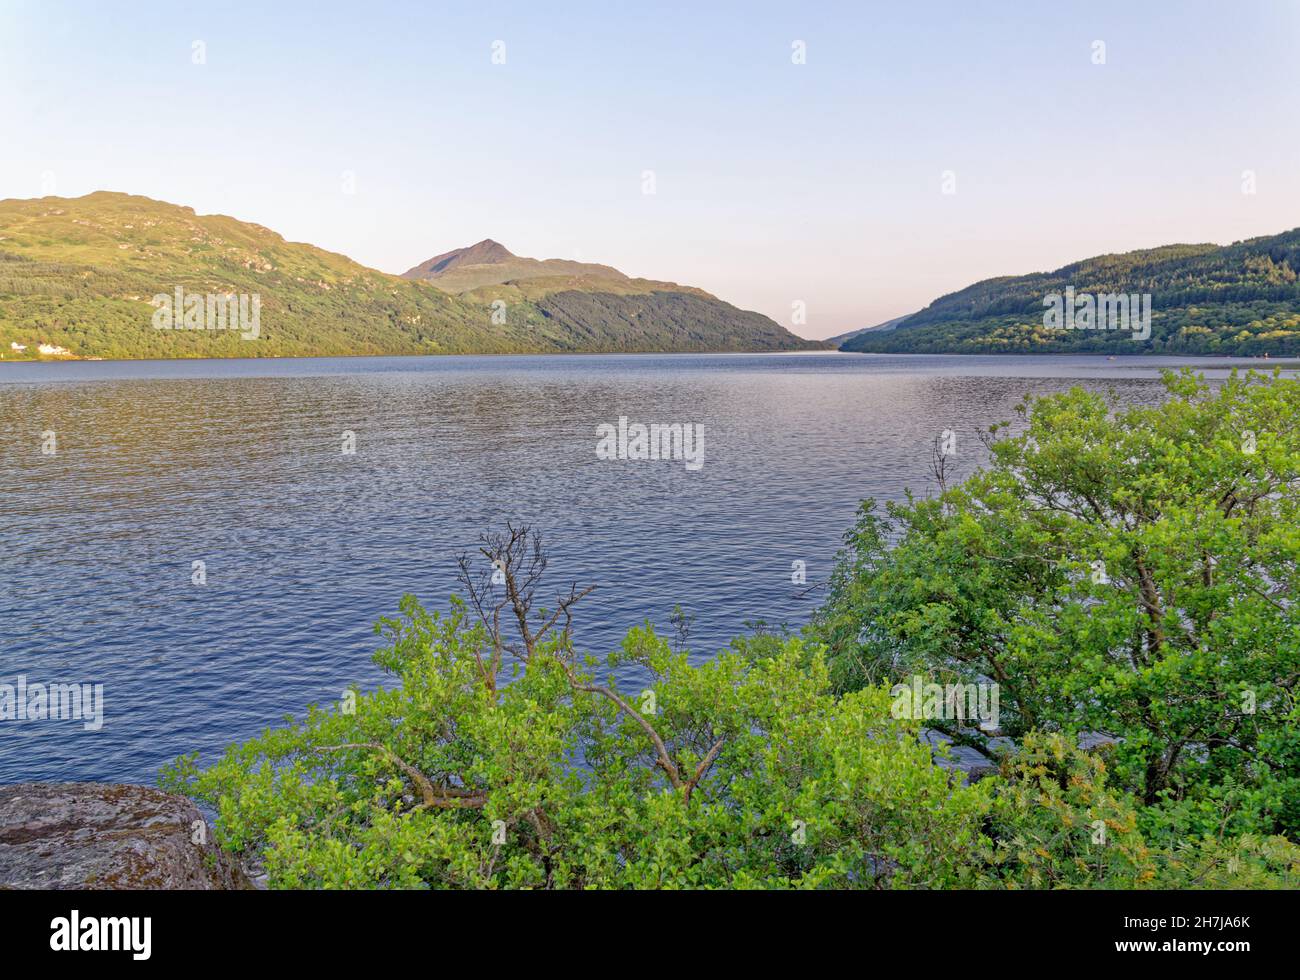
[[544, 784], [1129, 574]]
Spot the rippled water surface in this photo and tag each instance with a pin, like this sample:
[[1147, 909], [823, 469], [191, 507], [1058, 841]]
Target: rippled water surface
[[238, 464]]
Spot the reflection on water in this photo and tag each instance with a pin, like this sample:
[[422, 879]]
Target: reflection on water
[[238, 464]]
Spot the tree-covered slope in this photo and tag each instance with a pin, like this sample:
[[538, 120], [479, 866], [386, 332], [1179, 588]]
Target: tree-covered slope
[[80, 274], [1240, 299]]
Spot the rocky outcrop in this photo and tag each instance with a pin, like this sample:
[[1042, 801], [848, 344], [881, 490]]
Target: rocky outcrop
[[107, 836], [980, 771]]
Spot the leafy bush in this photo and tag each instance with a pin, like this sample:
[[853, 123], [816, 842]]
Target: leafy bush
[[1056, 823], [1128, 576], [742, 771]]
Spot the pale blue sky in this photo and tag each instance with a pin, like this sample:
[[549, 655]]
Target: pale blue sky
[[775, 182]]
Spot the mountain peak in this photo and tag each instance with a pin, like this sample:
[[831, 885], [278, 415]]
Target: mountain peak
[[486, 252]]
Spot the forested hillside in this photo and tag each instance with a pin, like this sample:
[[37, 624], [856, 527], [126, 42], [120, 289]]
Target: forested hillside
[[1242, 299]]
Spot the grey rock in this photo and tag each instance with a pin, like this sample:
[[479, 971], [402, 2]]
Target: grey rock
[[975, 773], [108, 836]]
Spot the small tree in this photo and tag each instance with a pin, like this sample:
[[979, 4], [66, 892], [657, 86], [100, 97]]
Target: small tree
[[502, 759], [1125, 574]]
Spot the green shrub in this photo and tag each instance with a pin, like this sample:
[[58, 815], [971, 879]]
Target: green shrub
[[1126, 574], [742, 771]]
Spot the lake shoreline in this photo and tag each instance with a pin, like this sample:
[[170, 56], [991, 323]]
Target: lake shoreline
[[243, 465]]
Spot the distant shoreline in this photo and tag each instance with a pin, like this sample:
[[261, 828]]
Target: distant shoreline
[[1283, 360]]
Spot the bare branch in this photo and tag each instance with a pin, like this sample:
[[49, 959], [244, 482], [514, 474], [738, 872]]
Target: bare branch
[[564, 603]]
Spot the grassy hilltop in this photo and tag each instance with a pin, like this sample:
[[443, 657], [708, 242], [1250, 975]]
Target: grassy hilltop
[[80, 273]]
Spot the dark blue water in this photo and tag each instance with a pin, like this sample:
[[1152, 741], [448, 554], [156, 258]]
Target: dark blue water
[[237, 464]]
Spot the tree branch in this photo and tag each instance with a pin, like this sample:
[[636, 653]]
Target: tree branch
[[703, 767], [437, 797], [664, 760]]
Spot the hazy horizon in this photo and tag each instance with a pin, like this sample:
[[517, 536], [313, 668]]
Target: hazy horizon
[[391, 136]]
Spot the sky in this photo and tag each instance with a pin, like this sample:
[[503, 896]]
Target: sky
[[913, 149]]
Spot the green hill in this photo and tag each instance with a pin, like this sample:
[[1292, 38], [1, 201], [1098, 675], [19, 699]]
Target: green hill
[[600, 308], [1241, 299], [80, 274]]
